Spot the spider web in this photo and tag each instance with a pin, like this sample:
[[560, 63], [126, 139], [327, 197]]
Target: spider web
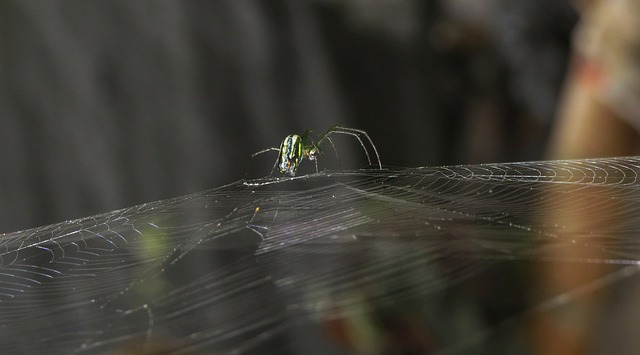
[[291, 265]]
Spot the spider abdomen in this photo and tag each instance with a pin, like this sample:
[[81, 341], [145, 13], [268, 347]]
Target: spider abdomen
[[290, 154]]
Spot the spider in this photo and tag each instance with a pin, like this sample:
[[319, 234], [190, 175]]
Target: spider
[[294, 148]]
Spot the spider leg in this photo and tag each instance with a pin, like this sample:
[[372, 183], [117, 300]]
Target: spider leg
[[356, 133], [335, 150], [264, 151], [305, 136], [268, 150]]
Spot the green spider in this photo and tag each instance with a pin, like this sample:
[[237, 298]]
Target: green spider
[[294, 148]]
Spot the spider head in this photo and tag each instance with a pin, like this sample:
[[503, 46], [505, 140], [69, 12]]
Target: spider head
[[313, 153], [290, 154]]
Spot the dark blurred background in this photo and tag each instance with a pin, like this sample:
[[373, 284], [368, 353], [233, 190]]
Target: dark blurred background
[[109, 104]]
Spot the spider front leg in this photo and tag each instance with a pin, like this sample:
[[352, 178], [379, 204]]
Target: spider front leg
[[355, 133]]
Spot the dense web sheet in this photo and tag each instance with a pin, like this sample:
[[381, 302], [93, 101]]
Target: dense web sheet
[[302, 264]]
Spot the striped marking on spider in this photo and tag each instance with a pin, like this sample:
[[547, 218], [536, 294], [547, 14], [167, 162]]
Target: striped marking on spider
[[295, 148]]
